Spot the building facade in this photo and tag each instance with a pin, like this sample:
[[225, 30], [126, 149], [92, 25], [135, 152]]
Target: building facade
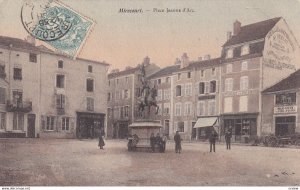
[[48, 94], [255, 57], [124, 91]]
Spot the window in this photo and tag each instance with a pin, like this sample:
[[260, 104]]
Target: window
[[90, 85], [229, 53], [2, 95], [229, 68], [159, 95], [206, 87], [167, 108], [108, 82], [202, 73], [167, 94], [213, 71], [227, 104], [180, 126], [188, 108], [201, 108], [117, 112], [127, 80], [50, 123], [126, 94], [108, 96], [90, 104], [60, 64], [201, 87], [189, 75], [159, 109], [244, 65], [33, 57], [244, 83], [158, 81], [243, 103], [178, 109], [117, 81], [17, 73], [18, 121], [137, 92], [60, 101], [118, 95], [90, 68], [60, 81], [188, 89], [245, 50], [228, 84], [17, 97], [211, 107], [2, 71], [167, 79], [65, 124], [213, 86], [126, 111], [2, 121], [178, 76], [178, 90]]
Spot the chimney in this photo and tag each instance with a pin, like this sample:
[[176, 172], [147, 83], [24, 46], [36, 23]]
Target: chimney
[[30, 40], [146, 61], [236, 27], [184, 60], [229, 35], [128, 67], [177, 61], [199, 58], [207, 57]]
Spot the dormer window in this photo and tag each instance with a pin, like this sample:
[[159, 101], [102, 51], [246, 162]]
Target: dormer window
[[245, 50], [229, 53]]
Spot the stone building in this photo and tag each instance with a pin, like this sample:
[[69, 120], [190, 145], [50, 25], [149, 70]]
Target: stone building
[[280, 115], [255, 57], [45, 94], [124, 91]]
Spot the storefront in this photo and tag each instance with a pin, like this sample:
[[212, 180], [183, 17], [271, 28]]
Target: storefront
[[89, 124], [204, 126], [243, 126]]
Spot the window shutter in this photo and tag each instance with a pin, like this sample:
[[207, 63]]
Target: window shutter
[[182, 90], [66, 103], [217, 86], [58, 123], [72, 124], [63, 101], [43, 122]]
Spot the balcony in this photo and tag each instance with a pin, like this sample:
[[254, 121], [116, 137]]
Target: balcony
[[13, 106]]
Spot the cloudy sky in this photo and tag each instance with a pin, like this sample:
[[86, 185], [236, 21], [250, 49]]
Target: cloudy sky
[[123, 39]]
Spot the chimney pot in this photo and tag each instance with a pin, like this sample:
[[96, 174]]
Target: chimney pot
[[229, 35], [207, 57], [236, 27]]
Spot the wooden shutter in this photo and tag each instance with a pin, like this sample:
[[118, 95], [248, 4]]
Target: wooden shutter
[[43, 122], [58, 123]]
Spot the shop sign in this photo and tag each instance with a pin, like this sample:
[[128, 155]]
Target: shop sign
[[285, 109], [239, 93], [286, 98]]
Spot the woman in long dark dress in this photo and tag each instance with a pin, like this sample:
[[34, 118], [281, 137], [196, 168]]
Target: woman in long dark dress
[[101, 141]]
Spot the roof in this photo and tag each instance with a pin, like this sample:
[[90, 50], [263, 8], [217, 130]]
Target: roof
[[205, 63], [289, 83], [166, 71], [17, 43], [252, 32], [124, 72]]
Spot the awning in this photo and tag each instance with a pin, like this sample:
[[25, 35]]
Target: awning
[[206, 122]]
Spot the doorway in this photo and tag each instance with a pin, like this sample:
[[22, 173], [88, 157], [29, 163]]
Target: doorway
[[31, 126]]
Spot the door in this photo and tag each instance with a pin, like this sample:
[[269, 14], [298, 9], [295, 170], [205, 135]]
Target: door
[[31, 126]]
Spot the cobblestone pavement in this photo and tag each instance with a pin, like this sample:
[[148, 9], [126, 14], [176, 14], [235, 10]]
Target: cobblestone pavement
[[70, 162]]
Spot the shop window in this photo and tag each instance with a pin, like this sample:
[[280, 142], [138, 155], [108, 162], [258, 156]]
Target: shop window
[[17, 73], [178, 90], [285, 125], [90, 85], [33, 57], [180, 126], [60, 81], [60, 64], [90, 104], [65, 124]]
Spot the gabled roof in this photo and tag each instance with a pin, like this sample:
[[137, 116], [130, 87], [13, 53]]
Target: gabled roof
[[289, 83], [17, 43], [252, 32], [166, 71]]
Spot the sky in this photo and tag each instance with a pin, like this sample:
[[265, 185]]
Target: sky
[[124, 39]]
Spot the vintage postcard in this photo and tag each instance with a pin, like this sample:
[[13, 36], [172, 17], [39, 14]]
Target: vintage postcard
[[164, 93]]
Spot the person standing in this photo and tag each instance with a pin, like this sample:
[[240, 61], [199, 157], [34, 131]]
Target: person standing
[[164, 142], [152, 142], [228, 136], [212, 140], [177, 140], [101, 141]]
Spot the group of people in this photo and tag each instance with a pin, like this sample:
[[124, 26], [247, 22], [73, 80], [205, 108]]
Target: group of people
[[158, 141], [212, 140]]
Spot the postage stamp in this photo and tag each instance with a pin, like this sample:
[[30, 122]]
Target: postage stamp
[[56, 24]]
